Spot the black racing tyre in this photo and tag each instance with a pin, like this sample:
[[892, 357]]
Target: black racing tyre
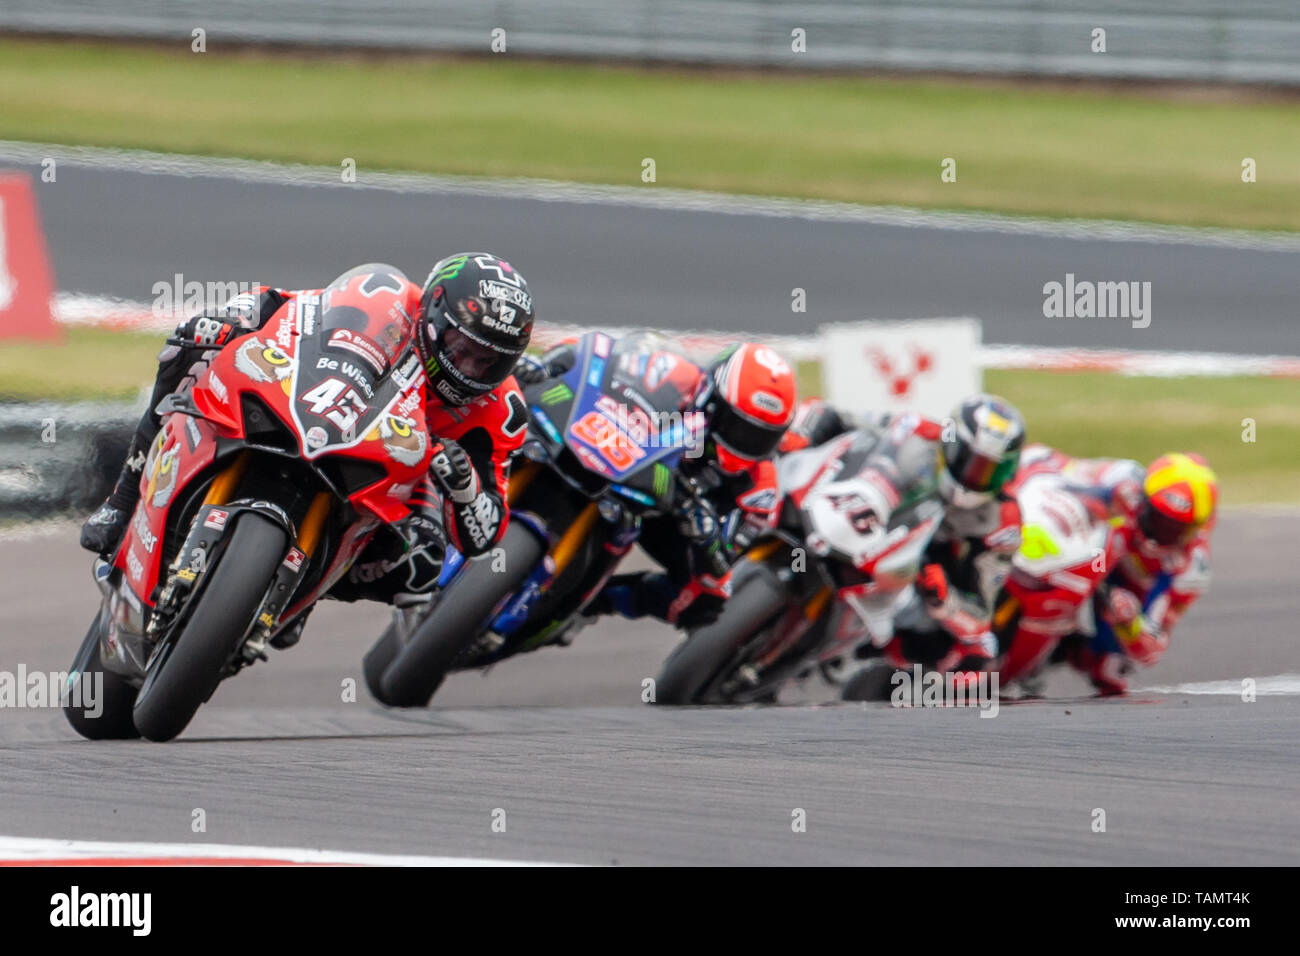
[[114, 695], [381, 654], [181, 676], [418, 669], [697, 661], [873, 682]]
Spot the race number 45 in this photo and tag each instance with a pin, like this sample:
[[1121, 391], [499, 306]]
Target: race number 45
[[336, 401]]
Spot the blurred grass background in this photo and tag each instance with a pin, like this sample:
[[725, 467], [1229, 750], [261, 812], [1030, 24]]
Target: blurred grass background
[[1029, 149]]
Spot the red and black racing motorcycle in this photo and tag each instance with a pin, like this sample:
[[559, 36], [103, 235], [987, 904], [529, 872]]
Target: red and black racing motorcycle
[[264, 484]]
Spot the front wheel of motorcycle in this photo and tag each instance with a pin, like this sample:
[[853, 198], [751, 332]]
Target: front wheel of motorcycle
[[183, 674], [697, 662], [101, 708], [458, 617]]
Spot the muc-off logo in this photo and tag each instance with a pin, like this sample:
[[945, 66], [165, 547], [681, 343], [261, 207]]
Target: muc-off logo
[[75, 909], [490, 290]]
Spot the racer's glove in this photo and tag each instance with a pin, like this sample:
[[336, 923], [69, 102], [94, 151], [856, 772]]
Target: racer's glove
[[932, 586], [206, 332], [530, 370], [1142, 643], [739, 531], [453, 470], [1147, 647], [697, 521], [1122, 609]]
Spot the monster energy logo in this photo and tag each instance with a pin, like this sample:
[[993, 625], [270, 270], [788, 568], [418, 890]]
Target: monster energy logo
[[446, 269], [556, 394], [662, 478]]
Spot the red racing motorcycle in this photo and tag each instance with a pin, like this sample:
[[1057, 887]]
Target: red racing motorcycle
[[264, 484]]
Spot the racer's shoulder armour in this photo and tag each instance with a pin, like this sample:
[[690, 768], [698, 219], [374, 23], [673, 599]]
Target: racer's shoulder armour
[[502, 413]]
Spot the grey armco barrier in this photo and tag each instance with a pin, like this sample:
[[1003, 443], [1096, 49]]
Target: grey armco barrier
[[59, 458], [1207, 40]]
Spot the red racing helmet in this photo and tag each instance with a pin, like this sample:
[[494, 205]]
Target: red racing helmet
[[748, 399]]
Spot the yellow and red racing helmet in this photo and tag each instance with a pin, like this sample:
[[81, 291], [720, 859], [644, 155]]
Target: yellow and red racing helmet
[[1180, 493]]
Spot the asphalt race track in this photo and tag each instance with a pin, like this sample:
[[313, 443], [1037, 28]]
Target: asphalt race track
[[588, 774], [118, 231]]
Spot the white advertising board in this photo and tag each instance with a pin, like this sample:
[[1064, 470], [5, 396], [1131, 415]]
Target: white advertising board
[[923, 365]]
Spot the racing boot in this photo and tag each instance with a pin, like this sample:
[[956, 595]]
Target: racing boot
[[103, 530]]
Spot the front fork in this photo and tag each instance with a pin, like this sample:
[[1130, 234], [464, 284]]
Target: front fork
[[207, 531]]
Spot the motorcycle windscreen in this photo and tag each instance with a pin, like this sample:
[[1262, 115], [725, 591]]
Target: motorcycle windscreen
[[632, 421], [345, 383]]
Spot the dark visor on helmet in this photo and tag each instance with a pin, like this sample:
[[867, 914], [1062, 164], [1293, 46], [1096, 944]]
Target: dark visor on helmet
[[980, 472], [743, 437], [1162, 529], [473, 362]]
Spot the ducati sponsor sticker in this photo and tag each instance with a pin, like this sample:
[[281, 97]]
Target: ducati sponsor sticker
[[358, 344], [293, 560], [316, 437], [216, 519]]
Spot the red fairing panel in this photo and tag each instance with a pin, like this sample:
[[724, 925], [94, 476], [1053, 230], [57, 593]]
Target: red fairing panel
[[185, 446]]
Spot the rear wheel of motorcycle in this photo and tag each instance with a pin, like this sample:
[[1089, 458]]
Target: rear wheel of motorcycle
[[697, 661], [114, 700], [418, 669], [180, 677]]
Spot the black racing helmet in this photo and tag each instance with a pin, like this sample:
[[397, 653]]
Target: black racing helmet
[[980, 450], [475, 320]]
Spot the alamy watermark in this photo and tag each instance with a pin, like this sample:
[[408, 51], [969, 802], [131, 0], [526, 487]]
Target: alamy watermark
[[36, 689], [177, 299], [616, 428], [917, 688], [1084, 299]]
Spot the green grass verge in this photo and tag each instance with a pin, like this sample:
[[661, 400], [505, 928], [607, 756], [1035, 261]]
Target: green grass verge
[[1030, 150], [90, 365], [1084, 413]]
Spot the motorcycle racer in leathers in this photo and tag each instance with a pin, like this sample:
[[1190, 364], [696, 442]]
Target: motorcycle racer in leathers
[[746, 398], [946, 627], [473, 319], [1162, 516]]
